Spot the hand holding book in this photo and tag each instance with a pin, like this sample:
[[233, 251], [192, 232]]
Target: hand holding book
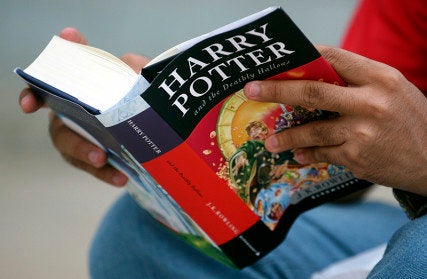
[[157, 139], [191, 113], [371, 117], [78, 151]]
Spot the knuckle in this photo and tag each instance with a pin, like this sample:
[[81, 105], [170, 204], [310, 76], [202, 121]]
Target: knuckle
[[331, 54], [320, 156], [392, 77], [320, 134], [379, 106], [342, 133], [287, 140], [277, 92], [365, 134], [66, 142], [313, 94], [352, 156], [74, 150], [349, 104], [336, 55], [380, 110], [357, 161], [326, 135], [292, 139]]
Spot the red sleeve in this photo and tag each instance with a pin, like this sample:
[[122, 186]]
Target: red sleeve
[[393, 32]]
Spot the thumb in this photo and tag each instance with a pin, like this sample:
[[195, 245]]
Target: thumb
[[135, 61], [73, 35]]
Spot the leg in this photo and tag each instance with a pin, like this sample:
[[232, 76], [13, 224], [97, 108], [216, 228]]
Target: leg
[[406, 253], [331, 233], [130, 244]]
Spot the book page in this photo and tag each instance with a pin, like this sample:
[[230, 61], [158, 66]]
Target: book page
[[91, 75]]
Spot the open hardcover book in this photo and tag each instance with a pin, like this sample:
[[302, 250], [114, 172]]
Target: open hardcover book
[[189, 140]]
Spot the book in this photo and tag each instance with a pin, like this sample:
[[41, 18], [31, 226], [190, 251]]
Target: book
[[188, 139]]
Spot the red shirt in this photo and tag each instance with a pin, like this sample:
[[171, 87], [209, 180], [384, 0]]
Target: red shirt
[[393, 32]]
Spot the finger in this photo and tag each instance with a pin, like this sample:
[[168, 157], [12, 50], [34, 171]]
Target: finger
[[72, 145], [107, 173], [344, 155], [29, 102], [135, 61], [73, 35], [351, 67], [313, 94], [312, 155], [318, 133]]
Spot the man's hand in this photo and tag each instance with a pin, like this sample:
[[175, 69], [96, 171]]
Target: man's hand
[[75, 149], [381, 134]]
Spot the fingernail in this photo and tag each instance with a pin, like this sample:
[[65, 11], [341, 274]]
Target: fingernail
[[24, 100], [252, 89], [119, 179], [25, 103], [272, 142], [94, 157], [299, 156]]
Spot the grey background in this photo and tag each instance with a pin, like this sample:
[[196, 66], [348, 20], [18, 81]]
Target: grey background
[[49, 210]]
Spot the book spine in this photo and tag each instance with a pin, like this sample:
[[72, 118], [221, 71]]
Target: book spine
[[173, 164]]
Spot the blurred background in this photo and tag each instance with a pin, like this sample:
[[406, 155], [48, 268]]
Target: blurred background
[[49, 210]]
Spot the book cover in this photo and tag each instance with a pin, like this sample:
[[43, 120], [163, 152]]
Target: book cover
[[192, 144]]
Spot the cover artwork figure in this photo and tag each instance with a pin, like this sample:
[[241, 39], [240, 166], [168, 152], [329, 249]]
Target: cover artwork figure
[[266, 181], [251, 166]]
